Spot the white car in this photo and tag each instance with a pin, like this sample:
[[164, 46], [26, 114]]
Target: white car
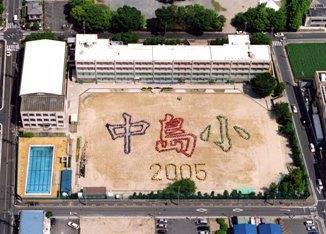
[[311, 228], [278, 34], [320, 184], [162, 221], [294, 109], [201, 221], [8, 52], [312, 148], [161, 225], [73, 225]]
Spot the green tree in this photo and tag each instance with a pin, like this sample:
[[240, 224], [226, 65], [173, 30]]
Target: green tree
[[48, 214], [35, 26], [293, 185], [40, 35], [260, 39], [282, 113], [166, 18], [257, 18], [193, 18], [126, 37], [277, 19], [280, 87], [219, 41], [92, 17], [239, 21], [185, 188], [287, 129], [127, 19], [263, 84], [199, 19]]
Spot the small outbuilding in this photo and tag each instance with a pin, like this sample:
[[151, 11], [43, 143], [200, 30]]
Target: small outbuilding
[[33, 221]]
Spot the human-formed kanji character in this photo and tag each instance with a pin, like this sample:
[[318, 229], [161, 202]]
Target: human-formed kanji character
[[126, 130], [173, 137]]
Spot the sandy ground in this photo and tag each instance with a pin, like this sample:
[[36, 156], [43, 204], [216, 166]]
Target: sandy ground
[[148, 7], [117, 225], [60, 149], [253, 163]]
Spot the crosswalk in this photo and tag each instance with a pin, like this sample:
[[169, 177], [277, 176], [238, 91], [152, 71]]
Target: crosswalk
[[277, 43], [13, 47], [12, 25]]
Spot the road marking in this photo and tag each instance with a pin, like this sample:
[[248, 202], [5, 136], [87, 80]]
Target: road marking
[[237, 210], [202, 210]]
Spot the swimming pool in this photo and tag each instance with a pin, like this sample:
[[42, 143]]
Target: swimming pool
[[39, 174]]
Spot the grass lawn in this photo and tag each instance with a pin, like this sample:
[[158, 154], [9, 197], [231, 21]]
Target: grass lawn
[[307, 58]]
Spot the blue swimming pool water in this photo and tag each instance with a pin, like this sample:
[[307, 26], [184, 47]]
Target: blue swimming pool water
[[39, 169]]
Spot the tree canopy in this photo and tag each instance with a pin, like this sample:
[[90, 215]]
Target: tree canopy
[[90, 16], [185, 188], [219, 41], [126, 19], [261, 19], [126, 37], [193, 18], [260, 39], [40, 35], [263, 84]]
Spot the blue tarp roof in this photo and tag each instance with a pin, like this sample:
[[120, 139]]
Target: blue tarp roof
[[244, 228], [31, 221], [270, 228], [65, 181]]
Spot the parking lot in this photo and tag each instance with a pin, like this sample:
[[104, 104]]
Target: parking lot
[[180, 226], [54, 17], [296, 226], [61, 227]]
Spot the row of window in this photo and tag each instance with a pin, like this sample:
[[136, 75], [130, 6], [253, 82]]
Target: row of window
[[44, 114], [43, 120], [42, 125]]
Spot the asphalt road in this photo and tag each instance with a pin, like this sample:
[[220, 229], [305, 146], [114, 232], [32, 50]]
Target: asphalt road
[[291, 89], [8, 154]]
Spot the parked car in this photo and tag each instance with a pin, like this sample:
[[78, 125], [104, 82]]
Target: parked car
[[161, 225], [8, 52], [162, 221], [201, 221], [294, 108], [311, 228], [312, 148], [203, 228], [73, 225], [203, 232], [309, 222], [319, 184], [279, 34], [162, 231]]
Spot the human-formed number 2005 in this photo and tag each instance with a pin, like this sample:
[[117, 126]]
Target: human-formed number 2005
[[174, 172]]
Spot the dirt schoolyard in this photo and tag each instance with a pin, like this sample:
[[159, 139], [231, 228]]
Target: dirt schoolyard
[[116, 225], [143, 141]]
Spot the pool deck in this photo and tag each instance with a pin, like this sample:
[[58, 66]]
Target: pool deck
[[60, 149]]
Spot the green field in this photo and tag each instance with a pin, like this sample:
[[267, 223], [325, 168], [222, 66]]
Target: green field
[[307, 58]]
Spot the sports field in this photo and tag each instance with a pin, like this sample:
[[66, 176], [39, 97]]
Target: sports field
[[307, 58], [143, 141]]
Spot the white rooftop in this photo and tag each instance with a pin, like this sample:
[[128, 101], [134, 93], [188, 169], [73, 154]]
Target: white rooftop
[[43, 67], [239, 39], [273, 4], [89, 48]]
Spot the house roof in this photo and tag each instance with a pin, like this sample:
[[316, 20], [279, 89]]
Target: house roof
[[34, 8], [244, 229], [31, 221], [43, 67], [270, 228]]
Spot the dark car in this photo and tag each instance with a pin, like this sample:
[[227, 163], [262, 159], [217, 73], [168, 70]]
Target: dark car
[[203, 228], [162, 231]]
